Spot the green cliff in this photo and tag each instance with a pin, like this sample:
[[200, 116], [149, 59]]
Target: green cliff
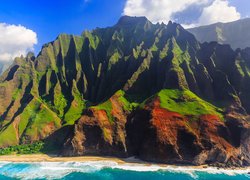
[[106, 76]]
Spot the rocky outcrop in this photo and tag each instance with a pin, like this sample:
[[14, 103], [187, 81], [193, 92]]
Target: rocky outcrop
[[156, 134], [97, 134], [166, 136]]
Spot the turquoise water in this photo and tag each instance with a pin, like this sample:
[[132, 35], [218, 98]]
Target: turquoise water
[[108, 170]]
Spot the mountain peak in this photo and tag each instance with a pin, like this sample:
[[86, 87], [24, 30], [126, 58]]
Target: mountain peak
[[129, 20]]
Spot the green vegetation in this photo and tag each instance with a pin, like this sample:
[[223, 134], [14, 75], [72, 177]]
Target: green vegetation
[[34, 148], [73, 72], [164, 51], [60, 104], [179, 55], [44, 117], [239, 68], [78, 43], [93, 40], [137, 51], [8, 136], [143, 67], [51, 56], [74, 112], [114, 59], [16, 93], [64, 40], [76, 108], [59, 101], [35, 119], [128, 106], [186, 103], [28, 114], [106, 106]]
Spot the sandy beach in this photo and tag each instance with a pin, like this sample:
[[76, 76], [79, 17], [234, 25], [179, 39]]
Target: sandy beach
[[119, 161], [53, 158]]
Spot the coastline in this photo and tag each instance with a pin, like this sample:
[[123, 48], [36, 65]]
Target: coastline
[[41, 166], [37, 158], [54, 158]]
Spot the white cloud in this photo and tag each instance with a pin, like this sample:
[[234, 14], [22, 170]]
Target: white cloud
[[158, 10], [15, 41], [218, 11], [164, 10]]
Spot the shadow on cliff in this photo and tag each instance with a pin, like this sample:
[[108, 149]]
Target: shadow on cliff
[[54, 143]]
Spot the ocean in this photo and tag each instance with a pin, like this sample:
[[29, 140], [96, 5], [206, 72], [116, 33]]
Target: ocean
[[109, 170]]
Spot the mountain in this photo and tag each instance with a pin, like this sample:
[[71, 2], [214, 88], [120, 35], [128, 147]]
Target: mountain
[[234, 33], [4, 66], [1, 67], [134, 89]]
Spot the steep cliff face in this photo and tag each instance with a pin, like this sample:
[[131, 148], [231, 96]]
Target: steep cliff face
[[24, 116], [88, 91], [167, 136], [101, 130], [174, 126]]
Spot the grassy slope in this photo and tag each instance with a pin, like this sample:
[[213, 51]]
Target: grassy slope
[[35, 118], [181, 101], [186, 103], [107, 105]]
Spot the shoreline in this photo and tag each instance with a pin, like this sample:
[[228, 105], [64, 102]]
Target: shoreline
[[39, 158]]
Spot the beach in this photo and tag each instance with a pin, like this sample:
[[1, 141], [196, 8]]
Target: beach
[[41, 166], [54, 158]]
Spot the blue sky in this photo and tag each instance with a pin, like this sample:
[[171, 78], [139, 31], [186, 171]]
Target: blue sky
[[243, 6], [48, 18]]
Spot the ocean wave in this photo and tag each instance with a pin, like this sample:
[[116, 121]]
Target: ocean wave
[[58, 170], [3, 163]]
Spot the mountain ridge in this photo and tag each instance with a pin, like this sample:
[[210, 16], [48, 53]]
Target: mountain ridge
[[4, 66], [90, 94], [234, 33]]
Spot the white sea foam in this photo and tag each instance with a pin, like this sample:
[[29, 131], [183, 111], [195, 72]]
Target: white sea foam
[[3, 163], [57, 170]]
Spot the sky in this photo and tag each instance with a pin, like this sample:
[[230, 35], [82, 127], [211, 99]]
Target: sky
[[25, 25]]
